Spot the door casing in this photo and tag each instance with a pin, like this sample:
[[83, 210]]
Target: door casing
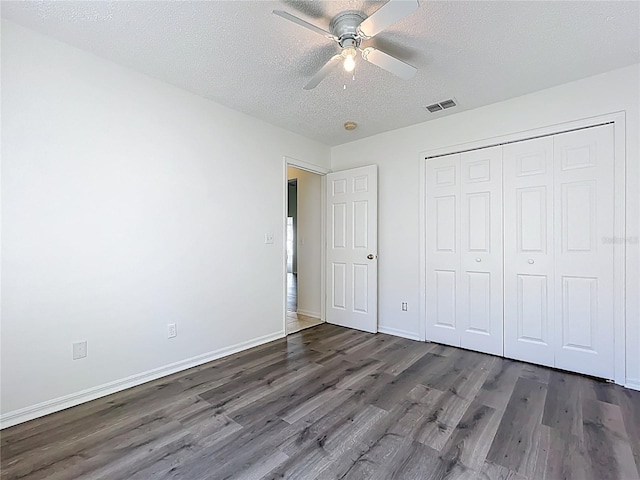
[[309, 167]]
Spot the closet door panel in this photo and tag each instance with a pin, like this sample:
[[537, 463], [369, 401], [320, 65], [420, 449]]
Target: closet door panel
[[443, 249], [528, 251], [480, 286], [584, 214]]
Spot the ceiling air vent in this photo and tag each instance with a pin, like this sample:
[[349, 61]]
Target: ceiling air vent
[[448, 104], [436, 107]]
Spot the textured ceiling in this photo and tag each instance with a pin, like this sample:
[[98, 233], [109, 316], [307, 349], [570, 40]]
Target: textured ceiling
[[239, 54]]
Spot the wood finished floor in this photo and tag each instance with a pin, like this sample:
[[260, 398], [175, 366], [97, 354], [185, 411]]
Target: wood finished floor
[[329, 402], [296, 322]]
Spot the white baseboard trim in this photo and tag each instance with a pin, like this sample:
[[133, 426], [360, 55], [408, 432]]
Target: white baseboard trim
[[633, 384], [398, 333], [309, 314], [50, 406]]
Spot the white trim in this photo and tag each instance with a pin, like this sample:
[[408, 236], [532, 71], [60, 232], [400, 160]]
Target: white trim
[[309, 167], [398, 333], [422, 314], [317, 315], [323, 248], [618, 119], [285, 215], [525, 134], [50, 406], [619, 250], [633, 384]]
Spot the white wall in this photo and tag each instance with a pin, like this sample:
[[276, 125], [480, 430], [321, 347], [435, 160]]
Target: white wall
[[115, 222], [309, 240], [397, 154]]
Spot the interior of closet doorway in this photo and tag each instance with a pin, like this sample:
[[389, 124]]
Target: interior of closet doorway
[[515, 262]]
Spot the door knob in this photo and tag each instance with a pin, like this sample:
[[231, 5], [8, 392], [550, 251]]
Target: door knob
[[531, 261], [371, 256], [478, 259]]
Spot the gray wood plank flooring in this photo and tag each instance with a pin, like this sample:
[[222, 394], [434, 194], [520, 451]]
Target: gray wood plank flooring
[[333, 403]]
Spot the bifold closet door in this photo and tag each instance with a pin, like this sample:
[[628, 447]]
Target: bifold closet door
[[583, 221], [443, 249], [464, 250], [480, 287], [558, 213], [528, 251]]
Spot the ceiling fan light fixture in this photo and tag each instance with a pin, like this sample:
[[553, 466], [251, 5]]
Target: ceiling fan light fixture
[[349, 55], [349, 28]]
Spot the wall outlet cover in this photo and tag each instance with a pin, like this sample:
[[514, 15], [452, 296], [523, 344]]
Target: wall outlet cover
[[79, 350], [172, 330]]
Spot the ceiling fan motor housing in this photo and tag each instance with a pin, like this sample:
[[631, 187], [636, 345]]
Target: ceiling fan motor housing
[[344, 27]]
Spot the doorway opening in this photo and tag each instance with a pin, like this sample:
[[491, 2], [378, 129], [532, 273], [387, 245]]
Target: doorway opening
[[304, 250]]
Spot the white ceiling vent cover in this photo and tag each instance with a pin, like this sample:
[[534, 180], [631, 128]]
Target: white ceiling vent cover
[[436, 107]]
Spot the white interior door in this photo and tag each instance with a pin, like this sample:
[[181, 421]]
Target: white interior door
[[443, 249], [480, 285], [584, 220], [352, 247], [528, 251]]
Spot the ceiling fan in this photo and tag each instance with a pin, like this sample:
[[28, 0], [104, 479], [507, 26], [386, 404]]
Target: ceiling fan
[[350, 28]]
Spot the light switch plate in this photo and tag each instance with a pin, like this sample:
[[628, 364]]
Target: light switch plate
[[268, 238]]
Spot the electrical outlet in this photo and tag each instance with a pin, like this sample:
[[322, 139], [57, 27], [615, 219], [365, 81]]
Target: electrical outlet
[[268, 238], [172, 331], [79, 350], [404, 306]]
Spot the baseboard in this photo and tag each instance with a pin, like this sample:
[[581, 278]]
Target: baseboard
[[50, 406], [308, 313], [398, 333], [633, 384]]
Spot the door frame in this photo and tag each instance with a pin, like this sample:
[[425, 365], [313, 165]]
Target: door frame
[[318, 170], [619, 248]]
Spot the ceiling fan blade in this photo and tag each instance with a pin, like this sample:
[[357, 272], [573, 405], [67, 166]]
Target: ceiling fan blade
[[389, 63], [387, 15], [323, 72], [303, 23]]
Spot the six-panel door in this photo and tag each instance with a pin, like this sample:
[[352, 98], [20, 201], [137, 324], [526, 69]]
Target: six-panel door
[[352, 235]]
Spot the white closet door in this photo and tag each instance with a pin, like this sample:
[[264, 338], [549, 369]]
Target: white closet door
[[584, 214], [528, 251], [480, 285], [443, 249]]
